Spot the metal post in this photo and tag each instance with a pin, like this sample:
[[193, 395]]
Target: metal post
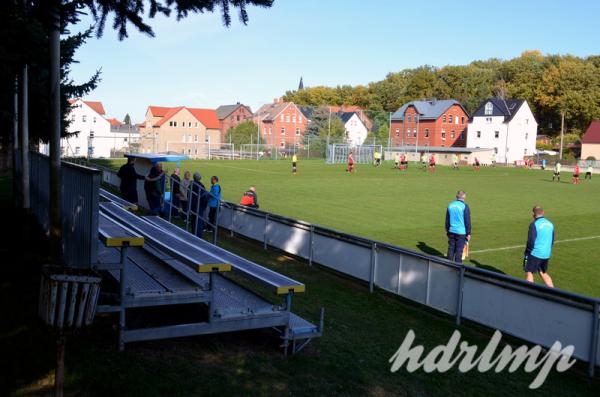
[[55, 116], [233, 211], [459, 299], [59, 374], [373, 266], [594, 343], [311, 245], [265, 235], [122, 292], [24, 90], [288, 308], [211, 286], [15, 146], [216, 225], [562, 133], [171, 202], [197, 216]]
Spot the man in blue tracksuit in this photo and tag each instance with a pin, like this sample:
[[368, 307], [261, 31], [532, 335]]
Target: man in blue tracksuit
[[213, 201], [539, 247], [458, 226]]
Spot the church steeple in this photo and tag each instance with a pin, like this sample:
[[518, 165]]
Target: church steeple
[[301, 85]]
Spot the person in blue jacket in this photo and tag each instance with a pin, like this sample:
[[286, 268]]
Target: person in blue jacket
[[458, 226], [213, 201], [539, 247]]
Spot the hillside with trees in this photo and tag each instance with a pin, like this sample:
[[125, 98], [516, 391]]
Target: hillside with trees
[[552, 84]]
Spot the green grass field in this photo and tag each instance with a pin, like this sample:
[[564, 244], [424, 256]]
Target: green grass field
[[408, 208]]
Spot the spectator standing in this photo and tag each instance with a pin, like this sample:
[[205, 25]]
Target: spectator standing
[[184, 191], [250, 199], [175, 192], [153, 188], [213, 201], [129, 178], [198, 204], [538, 251], [458, 226]]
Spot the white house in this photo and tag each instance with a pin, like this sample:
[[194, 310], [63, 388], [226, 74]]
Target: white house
[[93, 134], [356, 131], [505, 125]]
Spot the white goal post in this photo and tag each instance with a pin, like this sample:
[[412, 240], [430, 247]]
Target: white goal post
[[338, 153]]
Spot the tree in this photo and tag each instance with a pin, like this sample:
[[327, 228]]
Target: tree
[[127, 119], [244, 133]]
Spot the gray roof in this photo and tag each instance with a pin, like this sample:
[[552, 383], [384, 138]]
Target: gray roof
[[225, 110], [428, 110], [502, 107]]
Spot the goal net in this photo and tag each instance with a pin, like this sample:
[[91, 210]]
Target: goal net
[[338, 153]]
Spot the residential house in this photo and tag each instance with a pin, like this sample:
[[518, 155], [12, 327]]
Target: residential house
[[232, 115], [356, 130], [356, 109], [184, 130], [281, 124], [506, 125], [590, 143], [433, 122], [543, 140], [90, 134]]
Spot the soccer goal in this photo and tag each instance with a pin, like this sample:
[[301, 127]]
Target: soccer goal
[[338, 153]]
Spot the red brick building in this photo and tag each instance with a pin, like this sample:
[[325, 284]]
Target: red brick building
[[281, 124], [232, 115], [440, 123]]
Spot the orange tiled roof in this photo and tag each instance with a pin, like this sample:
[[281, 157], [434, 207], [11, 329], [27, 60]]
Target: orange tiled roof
[[208, 117], [95, 105], [114, 122]]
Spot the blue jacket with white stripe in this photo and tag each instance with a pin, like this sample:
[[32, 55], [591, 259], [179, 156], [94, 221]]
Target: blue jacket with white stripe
[[540, 238], [458, 218]]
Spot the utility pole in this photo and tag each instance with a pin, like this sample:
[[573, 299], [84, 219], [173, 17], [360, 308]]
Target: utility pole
[[390, 131], [24, 90], [562, 134], [55, 202]]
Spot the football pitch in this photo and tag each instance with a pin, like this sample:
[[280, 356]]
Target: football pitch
[[408, 208]]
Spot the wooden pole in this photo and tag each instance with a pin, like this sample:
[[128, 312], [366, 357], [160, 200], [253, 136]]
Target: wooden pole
[[562, 133]]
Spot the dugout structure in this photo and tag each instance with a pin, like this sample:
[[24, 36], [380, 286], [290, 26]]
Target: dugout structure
[[338, 153]]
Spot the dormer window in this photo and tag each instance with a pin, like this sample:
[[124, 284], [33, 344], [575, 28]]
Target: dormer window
[[489, 109]]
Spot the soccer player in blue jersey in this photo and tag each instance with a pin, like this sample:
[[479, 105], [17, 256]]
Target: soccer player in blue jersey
[[458, 226], [539, 247]]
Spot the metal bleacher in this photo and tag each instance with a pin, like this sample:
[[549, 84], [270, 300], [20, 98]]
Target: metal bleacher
[[105, 195], [162, 264]]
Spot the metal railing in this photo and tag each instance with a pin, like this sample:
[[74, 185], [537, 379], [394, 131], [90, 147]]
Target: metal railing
[[531, 312], [80, 188]]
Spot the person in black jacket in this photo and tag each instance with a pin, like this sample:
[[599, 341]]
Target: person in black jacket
[[129, 178], [198, 202]]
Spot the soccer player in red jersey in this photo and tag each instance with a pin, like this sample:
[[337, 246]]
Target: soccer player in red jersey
[[576, 180], [350, 163]]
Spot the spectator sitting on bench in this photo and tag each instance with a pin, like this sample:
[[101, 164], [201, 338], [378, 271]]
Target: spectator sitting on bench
[[250, 199]]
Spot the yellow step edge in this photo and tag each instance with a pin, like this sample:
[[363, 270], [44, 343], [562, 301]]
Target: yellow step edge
[[291, 288], [209, 267], [121, 241]]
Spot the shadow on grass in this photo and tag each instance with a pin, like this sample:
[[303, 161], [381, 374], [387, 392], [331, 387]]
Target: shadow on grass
[[427, 249], [486, 267]]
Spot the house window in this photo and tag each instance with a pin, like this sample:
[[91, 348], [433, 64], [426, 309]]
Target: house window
[[189, 151], [452, 134], [282, 144], [462, 120], [293, 118], [478, 134], [282, 118], [488, 120], [287, 118], [77, 149], [174, 123], [196, 138], [397, 131], [426, 132], [91, 134], [195, 151], [282, 130], [72, 117], [270, 131], [526, 121], [265, 130], [489, 109], [525, 151], [189, 138], [456, 120], [189, 124], [94, 119], [526, 135], [443, 135], [495, 150], [237, 117], [299, 118], [196, 124], [496, 134], [409, 118], [444, 118], [415, 132], [408, 134], [83, 118], [450, 118], [297, 131]]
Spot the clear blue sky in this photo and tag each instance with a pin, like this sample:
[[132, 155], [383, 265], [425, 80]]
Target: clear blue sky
[[198, 62]]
